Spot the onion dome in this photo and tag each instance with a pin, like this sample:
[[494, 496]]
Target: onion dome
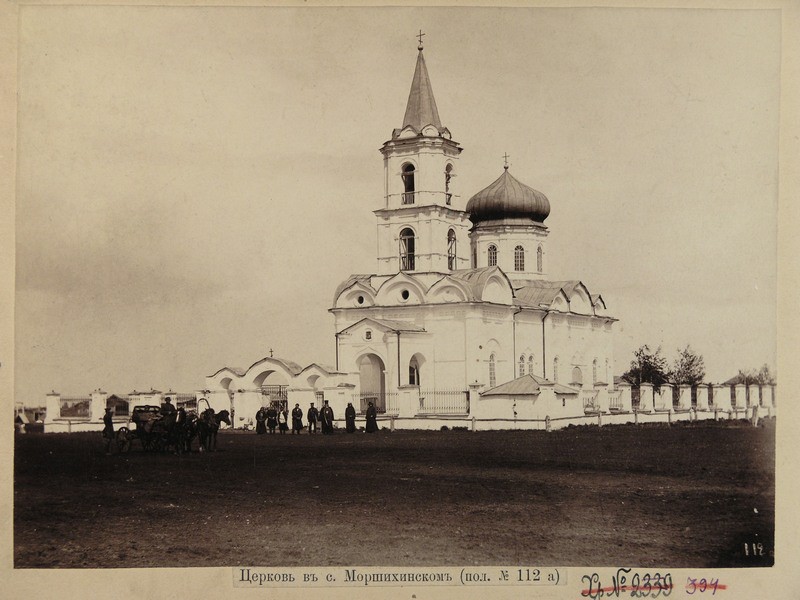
[[507, 198]]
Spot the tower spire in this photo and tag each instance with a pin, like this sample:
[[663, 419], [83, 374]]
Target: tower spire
[[421, 108]]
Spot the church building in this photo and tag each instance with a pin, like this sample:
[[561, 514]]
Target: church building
[[462, 297]]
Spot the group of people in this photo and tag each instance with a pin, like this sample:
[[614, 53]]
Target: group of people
[[270, 418]]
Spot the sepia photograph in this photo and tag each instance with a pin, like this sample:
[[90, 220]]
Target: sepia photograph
[[318, 297]]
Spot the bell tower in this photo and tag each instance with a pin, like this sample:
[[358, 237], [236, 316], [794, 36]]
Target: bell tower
[[422, 226]]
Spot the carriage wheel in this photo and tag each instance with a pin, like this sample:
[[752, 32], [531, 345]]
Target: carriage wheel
[[123, 440]]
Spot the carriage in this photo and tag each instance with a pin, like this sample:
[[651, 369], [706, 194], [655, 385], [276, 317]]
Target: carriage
[[154, 430], [157, 431]]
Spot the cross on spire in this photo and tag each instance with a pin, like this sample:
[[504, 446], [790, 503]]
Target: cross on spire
[[505, 160], [420, 39], [270, 352]]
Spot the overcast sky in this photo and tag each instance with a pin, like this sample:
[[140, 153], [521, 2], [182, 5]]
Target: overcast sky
[[193, 183]]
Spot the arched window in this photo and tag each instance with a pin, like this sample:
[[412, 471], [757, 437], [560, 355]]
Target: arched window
[[530, 365], [522, 365], [413, 372], [474, 258], [577, 376], [594, 372], [492, 252], [539, 259], [519, 258], [448, 174], [408, 183], [407, 250], [555, 369], [492, 377], [451, 250]]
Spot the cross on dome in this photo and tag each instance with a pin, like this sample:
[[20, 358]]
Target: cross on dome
[[420, 39]]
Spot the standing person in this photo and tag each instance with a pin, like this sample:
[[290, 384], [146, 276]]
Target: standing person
[[372, 418], [108, 430], [326, 417], [167, 408], [350, 418], [313, 416], [261, 420], [297, 419], [272, 418], [283, 420]]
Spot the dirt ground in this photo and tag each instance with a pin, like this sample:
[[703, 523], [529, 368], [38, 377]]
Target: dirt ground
[[690, 495]]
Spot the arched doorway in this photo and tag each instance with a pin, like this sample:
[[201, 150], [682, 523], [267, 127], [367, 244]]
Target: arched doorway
[[372, 382]]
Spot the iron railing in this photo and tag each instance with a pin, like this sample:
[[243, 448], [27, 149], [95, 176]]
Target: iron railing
[[443, 402], [615, 400], [384, 402], [589, 398]]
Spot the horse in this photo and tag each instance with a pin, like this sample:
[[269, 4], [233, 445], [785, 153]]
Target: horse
[[208, 425]]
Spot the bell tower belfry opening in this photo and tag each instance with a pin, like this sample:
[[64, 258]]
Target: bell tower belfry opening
[[421, 207]]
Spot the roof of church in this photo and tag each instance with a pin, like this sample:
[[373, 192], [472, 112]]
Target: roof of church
[[507, 198], [362, 279], [389, 324], [421, 108], [527, 385], [538, 293], [476, 278]]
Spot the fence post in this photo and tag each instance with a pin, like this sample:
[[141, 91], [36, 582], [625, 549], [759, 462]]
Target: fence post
[[669, 417], [473, 424], [547, 426], [391, 423], [599, 419], [635, 417]]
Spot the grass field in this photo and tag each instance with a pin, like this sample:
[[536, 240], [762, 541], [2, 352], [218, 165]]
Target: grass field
[[680, 496]]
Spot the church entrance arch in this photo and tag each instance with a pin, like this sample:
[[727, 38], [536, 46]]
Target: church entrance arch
[[372, 382]]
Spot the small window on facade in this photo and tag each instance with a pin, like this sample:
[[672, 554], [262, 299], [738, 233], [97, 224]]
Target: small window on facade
[[530, 365], [404, 294], [522, 365], [407, 250], [539, 259], [555, 369], [368, 334], [492, 253], [594, 372], [448, 173], [408, 184], [451, 250], [474, 258], [492, 378], [360, 299], [519, 258]]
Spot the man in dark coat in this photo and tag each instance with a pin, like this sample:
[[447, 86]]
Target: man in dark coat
[[261, 421], [108, 430], [272, 418], [167, 408], [372, 419], [326, 417], [350, 418], [313, 416], [297, 419]]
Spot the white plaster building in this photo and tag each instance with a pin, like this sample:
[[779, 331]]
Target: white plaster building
[[461, 296]]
